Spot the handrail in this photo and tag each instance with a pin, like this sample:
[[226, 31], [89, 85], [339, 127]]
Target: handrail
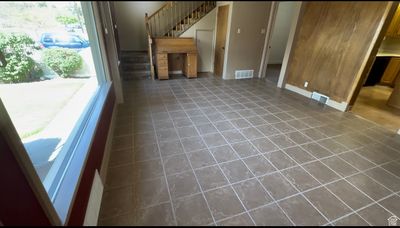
[[162, 7]]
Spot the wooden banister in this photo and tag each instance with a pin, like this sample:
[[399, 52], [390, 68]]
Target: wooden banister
[[172, 19]]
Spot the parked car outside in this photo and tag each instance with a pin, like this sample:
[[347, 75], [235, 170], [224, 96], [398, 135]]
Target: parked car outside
[[49, 40]]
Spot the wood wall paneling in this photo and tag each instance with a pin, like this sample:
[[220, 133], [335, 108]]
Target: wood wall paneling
[[331, 45]]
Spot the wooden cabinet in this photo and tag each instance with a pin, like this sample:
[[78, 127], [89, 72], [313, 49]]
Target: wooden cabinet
[[391, 72], [162, 65], [394, 27], [190, 65]]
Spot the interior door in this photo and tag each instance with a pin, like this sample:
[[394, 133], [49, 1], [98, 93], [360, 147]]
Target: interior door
[[204, 40], [222, 22]]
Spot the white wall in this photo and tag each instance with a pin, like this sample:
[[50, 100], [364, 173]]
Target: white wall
[[130, 22], [206, 23], [280, 32]]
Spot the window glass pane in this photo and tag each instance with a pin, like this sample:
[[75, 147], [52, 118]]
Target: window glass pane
[[47, 87]]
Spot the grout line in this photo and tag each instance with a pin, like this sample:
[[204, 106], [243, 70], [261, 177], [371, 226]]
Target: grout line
[[267, 123]]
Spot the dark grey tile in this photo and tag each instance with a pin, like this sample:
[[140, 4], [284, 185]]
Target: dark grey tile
[[313, 133], [240, 123], [233, 136], [321, 172], [223, 153], [299, 155], [270, 215], [236, 171], [356, 160], [332, 146], [283, 127], [316, 150], [280, 160], [368, 186], [223, 203], [224, 126], [167, 135], [301, 212], [385, 178], [193, 144], [393, 167], [298, 137], [256, 121], [352, 220], [251, 133], [300, 178], [258, 165], [282, 141], [297, 124], [375, 215], [327, 203], [213, 140], [176, 164], [245, 149], [185, 132], [252, 194], [116, 201], [182, 184], [170, 148], [201, 158], [392, 204], [122, 142], [163, 213], [192, 211], [339, 166], [268, 130], [210, 177], [349, 194], [206, 129], [264, 145], [150, 192], [147, 169], [238, 220], [277, 186]]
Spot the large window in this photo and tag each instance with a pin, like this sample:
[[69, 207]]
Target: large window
[[51, 75]]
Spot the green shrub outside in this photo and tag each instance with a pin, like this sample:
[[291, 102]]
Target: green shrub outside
[[17, 49], [63, 61]]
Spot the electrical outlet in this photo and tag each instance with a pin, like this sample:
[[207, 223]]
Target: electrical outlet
[[238, 30], [305, 84]]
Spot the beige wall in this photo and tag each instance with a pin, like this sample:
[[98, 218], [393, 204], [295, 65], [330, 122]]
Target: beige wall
[[130, 22], [245, 49], [280, 32]]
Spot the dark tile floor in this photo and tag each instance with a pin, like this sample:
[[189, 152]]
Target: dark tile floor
[[208, 151]]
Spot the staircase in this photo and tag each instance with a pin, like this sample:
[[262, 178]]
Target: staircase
[[173, 19], [135, 65]]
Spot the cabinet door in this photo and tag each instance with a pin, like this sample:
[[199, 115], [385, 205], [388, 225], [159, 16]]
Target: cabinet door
[[391, 72], [394, 27], [162, 66], [192, 65]]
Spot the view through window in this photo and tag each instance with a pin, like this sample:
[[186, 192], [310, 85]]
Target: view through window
[[48, 79]]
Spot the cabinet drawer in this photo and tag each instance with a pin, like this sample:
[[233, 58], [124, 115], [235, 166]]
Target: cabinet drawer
[[161, 57], [162, 62]]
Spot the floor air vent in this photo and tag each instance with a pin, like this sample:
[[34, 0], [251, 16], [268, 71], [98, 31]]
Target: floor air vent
[[319, 97], [239, 74]]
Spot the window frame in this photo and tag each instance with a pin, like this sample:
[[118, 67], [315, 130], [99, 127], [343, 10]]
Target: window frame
[[58, 206]]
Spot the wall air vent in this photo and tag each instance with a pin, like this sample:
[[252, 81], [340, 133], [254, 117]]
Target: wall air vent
[[319, 97], [239, 74]]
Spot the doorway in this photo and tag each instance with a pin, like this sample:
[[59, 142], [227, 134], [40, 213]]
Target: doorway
[[222, 25], [282, 20], [378, 97]]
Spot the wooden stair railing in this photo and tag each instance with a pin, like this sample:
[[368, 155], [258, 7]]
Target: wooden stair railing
[[174, 18]]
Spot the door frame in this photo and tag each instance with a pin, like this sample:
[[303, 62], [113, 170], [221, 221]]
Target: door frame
[[266, 50], [227, 36], [288, 49]]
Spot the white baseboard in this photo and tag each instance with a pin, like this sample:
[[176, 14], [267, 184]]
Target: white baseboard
[[334, 104], [94, 203]]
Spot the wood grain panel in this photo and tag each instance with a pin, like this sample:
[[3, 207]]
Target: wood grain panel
[[331, 45]]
